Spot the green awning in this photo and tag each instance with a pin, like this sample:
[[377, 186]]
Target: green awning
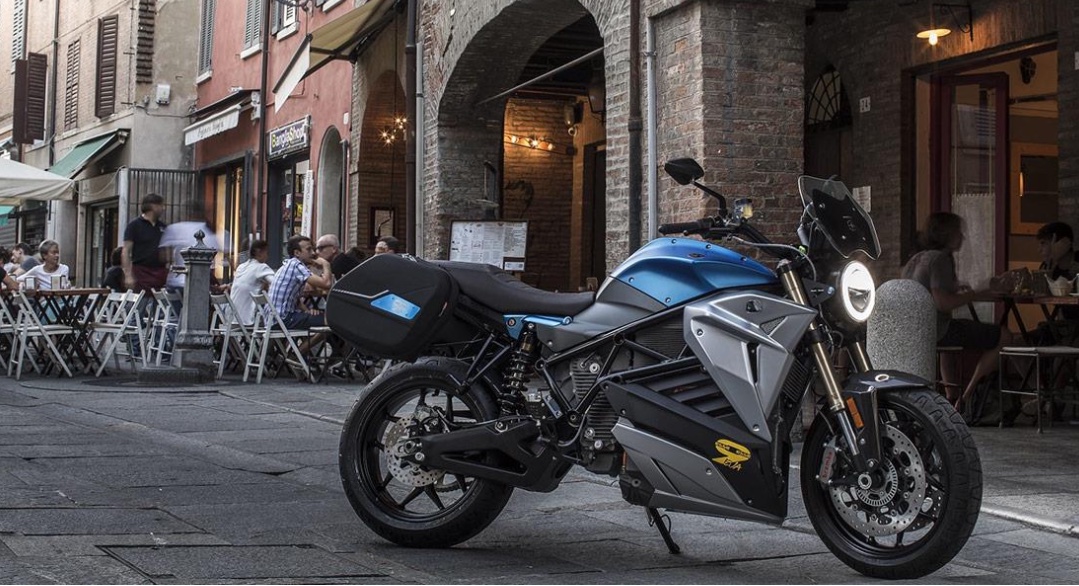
[[4, 211], [87, 152]]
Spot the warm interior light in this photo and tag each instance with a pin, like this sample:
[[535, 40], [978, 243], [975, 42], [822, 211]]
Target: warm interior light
[[934, 34]]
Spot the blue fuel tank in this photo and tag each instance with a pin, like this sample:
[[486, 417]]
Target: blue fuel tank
[[675, 270]]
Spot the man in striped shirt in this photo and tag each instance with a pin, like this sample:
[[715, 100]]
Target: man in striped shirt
[[290, 279]]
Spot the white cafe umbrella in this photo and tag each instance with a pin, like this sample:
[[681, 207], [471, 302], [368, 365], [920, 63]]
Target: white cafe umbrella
[[19, 182]]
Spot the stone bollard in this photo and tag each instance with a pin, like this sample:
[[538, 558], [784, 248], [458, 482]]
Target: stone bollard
[[902, 332], [192, 353]]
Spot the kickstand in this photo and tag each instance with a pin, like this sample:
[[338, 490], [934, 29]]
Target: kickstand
[[654, 518]]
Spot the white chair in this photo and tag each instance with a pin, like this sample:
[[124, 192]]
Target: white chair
[[164, 325], [268, 328], [235, 336], [30, 327], [118, 319], [9, 330]]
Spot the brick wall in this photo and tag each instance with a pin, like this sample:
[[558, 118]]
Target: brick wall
[[538, 187]]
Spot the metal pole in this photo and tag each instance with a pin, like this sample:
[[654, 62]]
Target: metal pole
[[554, 71], [653, 162]]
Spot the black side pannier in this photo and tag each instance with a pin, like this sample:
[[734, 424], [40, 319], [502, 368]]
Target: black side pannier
[[392, 306]]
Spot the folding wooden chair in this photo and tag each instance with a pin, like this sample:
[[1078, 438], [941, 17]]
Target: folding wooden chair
[[164, 326], [30, 327], [118, 319], [235, 336], [269, 329]]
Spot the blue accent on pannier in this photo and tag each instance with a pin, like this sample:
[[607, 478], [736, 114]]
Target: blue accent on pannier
[[675, 270], [398, 306]]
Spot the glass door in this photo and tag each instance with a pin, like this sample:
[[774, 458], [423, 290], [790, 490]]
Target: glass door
[[970, 168]]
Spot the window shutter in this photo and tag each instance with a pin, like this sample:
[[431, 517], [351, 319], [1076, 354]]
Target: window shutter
[[275, 17], [290, 15], [253, 24], [144, 48], [319, 2], [108, 30], [18, 38], [71, 86], [30, 84], [206, 38]]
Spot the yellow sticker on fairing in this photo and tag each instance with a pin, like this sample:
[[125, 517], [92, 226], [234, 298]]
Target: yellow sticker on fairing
[[731, 454]]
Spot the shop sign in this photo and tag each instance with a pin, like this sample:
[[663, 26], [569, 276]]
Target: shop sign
[[292, 137]]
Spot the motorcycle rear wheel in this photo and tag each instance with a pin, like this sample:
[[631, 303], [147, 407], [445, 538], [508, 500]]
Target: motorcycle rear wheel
[[938, 471], [405, 503]]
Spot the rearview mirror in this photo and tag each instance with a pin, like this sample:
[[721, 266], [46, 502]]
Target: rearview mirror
[[684, 171]]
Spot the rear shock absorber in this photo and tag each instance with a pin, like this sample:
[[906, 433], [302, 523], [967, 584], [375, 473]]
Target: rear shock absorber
[[517, 373]]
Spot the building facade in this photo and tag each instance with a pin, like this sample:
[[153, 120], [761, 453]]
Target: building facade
[[116, 88]]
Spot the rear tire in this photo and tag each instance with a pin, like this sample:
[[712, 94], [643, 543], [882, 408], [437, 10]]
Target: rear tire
[[940, 450], [391, 409]]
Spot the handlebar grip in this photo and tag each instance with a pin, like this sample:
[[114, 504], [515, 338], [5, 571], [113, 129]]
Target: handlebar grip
[[686, 227]]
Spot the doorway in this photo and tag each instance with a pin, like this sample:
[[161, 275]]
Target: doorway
[[104, 234]]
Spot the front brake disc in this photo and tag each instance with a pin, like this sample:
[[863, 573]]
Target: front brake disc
[[893, 506], [396, 441]]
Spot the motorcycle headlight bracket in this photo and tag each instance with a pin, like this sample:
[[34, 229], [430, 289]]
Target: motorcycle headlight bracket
[[857, 291]]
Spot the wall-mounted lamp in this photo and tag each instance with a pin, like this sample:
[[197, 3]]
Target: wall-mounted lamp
[[539, 144], [955, 11]]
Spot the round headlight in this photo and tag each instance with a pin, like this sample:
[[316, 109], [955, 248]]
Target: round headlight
[[857, 290]]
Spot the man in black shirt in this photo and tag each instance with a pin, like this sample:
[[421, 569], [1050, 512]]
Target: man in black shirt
[[144, 269]]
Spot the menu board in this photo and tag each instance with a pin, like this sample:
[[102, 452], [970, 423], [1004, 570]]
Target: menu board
[[501, 244]]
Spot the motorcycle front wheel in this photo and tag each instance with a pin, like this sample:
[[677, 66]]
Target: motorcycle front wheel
[[922, 509], [404, 502]]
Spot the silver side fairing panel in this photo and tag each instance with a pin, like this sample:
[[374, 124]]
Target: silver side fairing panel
[[683, 480], [720, 331]]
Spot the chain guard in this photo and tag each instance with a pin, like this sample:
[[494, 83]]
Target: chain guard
[[894, 506]]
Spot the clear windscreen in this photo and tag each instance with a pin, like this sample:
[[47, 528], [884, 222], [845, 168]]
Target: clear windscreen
[[843, 222]]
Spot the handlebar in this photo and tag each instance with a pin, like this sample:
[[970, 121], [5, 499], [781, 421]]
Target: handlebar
[[696, 227]]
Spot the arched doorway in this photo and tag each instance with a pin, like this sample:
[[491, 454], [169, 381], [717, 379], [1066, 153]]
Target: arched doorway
[[380, 190], [331, 190], [536, 155]]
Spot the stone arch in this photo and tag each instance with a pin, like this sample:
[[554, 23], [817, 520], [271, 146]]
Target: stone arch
[[484, 57], [331, 191], [380, 184]]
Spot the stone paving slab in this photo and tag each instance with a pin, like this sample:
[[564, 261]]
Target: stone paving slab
[[68, 570], [90, 545], [260, 522], [187, 563], [267, 491], [136, 471], [91, 521]]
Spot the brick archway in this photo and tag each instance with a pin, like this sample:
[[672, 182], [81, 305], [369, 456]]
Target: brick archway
[[380, 186], [481, 53]]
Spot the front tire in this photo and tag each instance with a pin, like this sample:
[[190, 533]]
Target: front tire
[[405, 503], [921, 517]]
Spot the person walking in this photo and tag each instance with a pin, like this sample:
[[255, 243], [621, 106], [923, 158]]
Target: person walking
[[144, 268]]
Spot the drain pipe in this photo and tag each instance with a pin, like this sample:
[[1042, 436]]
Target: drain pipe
[[410, 136], [635, 125], [418, 126], [653, 162]]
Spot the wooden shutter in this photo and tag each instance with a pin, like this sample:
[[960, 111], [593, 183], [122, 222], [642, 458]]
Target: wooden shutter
[[206, 36], [275, 17], [31, 76], [71, 86], [108, 31], [144, 47], [253, 24], [18, 39]]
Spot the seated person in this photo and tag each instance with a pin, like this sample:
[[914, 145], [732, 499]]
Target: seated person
[[6, 279], [290, 279], [114, 277], [934, 268], [50, 267], [252, 276]]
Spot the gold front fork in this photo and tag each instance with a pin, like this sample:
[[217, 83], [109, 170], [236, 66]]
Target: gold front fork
[[793, 284]]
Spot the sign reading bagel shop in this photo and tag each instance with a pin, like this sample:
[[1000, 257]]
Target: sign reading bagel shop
[[290, 138]]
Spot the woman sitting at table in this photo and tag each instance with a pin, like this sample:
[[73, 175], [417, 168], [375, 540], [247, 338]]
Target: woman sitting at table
[[50, 267], [6, 279], [934, 268]]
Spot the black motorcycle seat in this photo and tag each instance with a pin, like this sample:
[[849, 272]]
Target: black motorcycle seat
[[502, 292]]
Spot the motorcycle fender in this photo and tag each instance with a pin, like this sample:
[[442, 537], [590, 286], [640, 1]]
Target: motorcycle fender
[[860, 397]]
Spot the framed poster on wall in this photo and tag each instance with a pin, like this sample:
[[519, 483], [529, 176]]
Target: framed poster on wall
[[501, 244]]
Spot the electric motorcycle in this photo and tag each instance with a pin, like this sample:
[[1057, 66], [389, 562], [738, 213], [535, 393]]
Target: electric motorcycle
[[683, 377]]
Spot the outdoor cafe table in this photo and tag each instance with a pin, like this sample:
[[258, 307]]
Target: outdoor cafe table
[[1011, 307], [71, 307]]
